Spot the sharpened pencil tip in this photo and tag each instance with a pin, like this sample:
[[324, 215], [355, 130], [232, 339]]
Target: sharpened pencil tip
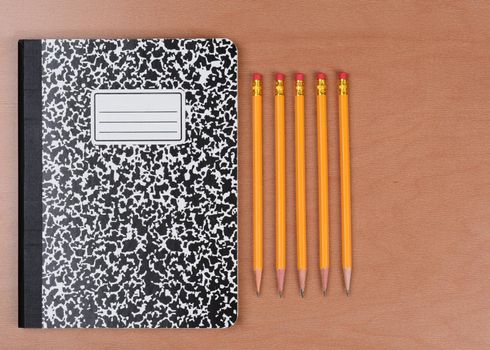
[[324, 293], [258, 280], [280, 274], [302, 281], [258, 294], [324, 275], [347, 276]]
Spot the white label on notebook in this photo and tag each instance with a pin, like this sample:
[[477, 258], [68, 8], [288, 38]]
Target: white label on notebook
[[138, 117]]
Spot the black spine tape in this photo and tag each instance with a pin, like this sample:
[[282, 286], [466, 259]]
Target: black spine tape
[[30, 184]]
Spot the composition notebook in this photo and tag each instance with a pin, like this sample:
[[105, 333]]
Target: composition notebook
[[128, 183]]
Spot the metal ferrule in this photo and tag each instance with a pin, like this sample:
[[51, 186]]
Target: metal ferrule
[[279, 88], [257, 88], [321, 87], [300, 87], [343, 87]]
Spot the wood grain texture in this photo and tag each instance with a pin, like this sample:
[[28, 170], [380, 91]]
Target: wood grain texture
[[420, 144]]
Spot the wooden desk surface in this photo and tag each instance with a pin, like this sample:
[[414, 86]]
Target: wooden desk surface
[[420, 131]]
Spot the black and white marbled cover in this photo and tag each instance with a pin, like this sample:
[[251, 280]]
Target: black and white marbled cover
[[139, 235]]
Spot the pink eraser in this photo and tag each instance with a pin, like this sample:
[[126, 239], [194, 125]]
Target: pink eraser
[[300, 76], [280, 76], [321, 76], [343, 75], [257, 76]]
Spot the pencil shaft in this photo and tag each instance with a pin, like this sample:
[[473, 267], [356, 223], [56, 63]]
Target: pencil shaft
[[345, 183], [300, 179], [280, 165], [257, 181], [322, 144], [345, 180]]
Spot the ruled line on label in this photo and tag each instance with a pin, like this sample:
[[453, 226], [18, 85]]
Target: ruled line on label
[[102, 112], [139, 132], [140, 121]]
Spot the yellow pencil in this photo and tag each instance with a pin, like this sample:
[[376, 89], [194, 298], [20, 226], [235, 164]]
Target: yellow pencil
[[345, 180], [280, 148], [299, 112], [323, 234], [258, 216]]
